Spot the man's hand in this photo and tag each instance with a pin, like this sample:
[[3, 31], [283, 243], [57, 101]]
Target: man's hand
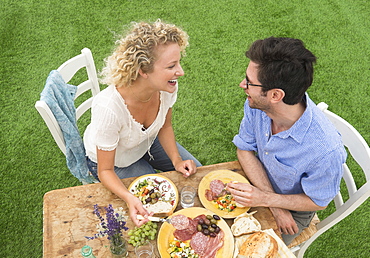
[[284, 221], [247, 194]]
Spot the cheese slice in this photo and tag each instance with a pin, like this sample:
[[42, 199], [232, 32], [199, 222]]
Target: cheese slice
[[159, 207]]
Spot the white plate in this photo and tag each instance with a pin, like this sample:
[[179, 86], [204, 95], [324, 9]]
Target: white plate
[[161, 184]]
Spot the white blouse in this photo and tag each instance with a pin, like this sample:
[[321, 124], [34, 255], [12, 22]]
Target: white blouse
[[113, 127]]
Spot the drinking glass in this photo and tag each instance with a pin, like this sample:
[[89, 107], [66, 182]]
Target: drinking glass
[[145, 250], [187, 196]]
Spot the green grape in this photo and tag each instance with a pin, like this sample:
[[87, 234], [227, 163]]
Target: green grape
[[138, 236]]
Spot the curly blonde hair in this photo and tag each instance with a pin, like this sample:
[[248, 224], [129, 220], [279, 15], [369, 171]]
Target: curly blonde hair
[[136, 51]]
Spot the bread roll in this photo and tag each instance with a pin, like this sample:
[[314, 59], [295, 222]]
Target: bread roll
[[259, 245]]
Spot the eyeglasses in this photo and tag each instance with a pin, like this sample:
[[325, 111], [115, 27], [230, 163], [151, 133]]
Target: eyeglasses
[[251, 84]]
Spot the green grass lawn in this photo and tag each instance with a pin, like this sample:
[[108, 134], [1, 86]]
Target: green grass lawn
[[37, 36]]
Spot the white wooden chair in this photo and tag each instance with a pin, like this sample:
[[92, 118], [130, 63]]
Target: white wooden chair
[[68, 69], [360, 152]]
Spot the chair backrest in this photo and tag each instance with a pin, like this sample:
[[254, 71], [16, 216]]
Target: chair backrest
[[360, 152], [68, 69]]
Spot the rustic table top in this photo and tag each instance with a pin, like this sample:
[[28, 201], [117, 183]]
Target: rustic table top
[[68, 213]]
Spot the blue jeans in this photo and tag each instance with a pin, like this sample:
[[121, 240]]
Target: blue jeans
[[147, 165]]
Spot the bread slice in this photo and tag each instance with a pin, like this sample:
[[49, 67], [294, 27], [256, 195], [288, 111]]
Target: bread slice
[[245, 224], [259, 245]]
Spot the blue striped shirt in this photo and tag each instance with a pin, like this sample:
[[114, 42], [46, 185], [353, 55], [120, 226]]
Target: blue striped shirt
[[307, 158]]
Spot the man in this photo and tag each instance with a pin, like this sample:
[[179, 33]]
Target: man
[[288, 149]]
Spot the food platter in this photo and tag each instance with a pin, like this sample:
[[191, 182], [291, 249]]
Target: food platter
[[165, 234], [167, 197], [226, 176]]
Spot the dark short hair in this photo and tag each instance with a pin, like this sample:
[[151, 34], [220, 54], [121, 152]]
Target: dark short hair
[[283, 63]]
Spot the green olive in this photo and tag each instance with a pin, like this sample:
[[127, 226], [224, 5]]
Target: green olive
[[199, 227], [209, 217]]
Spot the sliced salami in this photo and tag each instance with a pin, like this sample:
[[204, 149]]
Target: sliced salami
[[199, 243], [187, 233], [180, 222], [217, 186], [209, 195]]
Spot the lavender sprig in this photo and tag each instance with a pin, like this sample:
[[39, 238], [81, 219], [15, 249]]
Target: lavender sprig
[[115, 222]]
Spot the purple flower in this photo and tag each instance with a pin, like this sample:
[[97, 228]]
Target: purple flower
[[112, 225]]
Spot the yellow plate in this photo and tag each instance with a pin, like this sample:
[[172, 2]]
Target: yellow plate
[[165, 234], [173, 192], [226, 176]]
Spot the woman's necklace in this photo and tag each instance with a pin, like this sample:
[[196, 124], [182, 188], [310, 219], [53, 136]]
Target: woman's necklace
[[138, 99]]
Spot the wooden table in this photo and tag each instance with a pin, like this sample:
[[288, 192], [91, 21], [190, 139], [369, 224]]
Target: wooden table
[[68, 214]]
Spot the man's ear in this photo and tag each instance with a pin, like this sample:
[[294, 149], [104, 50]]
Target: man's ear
[[142, 74], [277, 95]]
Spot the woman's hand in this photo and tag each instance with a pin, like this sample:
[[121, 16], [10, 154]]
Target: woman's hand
[[135, 208], [186, 167]]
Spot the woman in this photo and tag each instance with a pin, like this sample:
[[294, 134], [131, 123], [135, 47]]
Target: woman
[[131, 131]]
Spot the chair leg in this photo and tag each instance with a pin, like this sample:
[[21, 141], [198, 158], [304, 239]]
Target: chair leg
[[295, 249]]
